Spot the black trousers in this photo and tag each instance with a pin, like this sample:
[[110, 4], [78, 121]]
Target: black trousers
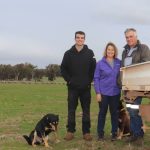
[[85, 99]]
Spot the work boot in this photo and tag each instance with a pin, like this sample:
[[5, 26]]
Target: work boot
[[69, 136], [135, 138], [114, 137], [101, 137], [87, 137]]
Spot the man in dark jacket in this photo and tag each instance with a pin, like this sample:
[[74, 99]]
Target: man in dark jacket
[[77, 69], [134, 52]]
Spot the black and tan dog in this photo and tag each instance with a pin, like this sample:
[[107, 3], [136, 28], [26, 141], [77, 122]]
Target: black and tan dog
[[45, 126], [123, 121]]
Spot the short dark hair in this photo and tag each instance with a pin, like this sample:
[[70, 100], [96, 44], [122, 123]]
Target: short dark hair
[[79, 32]]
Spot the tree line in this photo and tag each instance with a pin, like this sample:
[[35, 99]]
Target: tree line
[[28, 72]]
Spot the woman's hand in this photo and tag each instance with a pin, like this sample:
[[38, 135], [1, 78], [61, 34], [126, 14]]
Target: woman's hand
[[98, 97]]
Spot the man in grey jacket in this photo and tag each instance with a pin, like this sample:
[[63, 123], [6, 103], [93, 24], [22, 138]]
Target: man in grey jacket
[[134, 52]]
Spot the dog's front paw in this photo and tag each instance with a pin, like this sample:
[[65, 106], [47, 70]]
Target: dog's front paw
[[49, 147], [119, 137], [46, 145], [34, 145], [57, 141]]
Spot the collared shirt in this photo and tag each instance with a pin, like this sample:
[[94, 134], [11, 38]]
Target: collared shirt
[[105, 77], [128, 59]]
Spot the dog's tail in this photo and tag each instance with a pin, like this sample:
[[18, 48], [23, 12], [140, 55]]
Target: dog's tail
[[27, 139]]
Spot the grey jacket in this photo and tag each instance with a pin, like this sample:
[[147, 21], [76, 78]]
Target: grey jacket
[[142, 54]]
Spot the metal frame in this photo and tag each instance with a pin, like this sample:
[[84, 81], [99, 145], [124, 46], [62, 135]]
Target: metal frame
[[136, 80]]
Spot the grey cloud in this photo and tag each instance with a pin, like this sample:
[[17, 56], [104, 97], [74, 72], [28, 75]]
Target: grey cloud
[[127, 12]]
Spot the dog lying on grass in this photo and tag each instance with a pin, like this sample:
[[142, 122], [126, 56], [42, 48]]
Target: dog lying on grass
[[123, 122], [45, 126]]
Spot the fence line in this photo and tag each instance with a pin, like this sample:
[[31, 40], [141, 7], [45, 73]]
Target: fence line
[[32, 82]]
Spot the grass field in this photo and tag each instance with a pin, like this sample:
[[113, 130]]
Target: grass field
[[22, 105]]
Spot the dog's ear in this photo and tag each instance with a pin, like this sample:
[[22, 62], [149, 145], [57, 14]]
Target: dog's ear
[[57, 116]]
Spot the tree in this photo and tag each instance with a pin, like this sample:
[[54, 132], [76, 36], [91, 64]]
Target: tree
[[52, 70], [7, 72], [19, 71], [38, 74], [29, 71]]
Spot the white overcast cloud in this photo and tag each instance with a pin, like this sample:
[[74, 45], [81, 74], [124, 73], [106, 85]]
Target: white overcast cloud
[[40, 31]]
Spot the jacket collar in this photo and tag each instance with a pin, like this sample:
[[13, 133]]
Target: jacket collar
[[104, 59], [73, 48], [128, 47]]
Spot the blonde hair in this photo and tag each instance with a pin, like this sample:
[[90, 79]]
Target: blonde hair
[[115, 49]]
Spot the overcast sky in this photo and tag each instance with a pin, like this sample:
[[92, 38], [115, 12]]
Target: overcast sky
[[40, 31]]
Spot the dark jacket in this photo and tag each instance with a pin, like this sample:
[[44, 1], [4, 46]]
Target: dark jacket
[[142, 54], [77, 68]]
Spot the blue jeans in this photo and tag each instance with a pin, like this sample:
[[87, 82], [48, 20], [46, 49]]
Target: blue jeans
[[135, 119], [113, 103]]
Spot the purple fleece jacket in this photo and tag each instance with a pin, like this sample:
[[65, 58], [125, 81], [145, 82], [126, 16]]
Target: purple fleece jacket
[[105, 77]]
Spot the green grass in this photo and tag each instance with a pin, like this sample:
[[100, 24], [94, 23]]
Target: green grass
[[22, 105]]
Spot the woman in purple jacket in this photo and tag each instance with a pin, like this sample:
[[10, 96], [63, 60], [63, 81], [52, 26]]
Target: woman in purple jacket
[[107, 90]]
